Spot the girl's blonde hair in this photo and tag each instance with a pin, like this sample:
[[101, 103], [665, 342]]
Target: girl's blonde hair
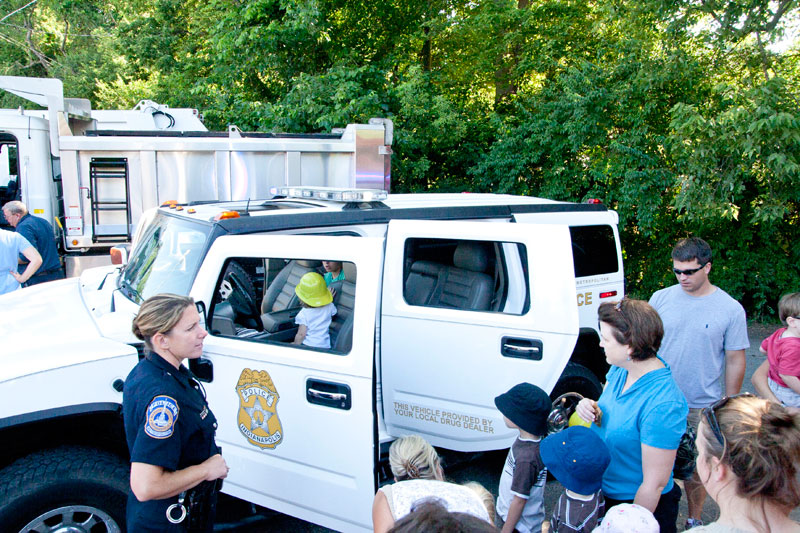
[[485, 496], [412, 457], [159, 314]]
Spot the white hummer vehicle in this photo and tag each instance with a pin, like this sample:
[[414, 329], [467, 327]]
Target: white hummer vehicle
[[447, 301]]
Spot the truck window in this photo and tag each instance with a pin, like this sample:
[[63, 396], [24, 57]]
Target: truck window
[[594, 250], [9, 179], [256, 301], [467, 275]]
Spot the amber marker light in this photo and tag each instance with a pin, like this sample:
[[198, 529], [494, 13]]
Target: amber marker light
[[226, 214]]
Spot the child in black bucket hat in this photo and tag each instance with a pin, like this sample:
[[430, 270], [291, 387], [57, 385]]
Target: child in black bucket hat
[[520, 499], [577, 457]]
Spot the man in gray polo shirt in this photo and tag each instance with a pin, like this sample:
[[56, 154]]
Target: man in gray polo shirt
[[705, 336]]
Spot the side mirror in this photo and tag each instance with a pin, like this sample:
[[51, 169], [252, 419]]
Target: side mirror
[[202, 368], [201, 310]]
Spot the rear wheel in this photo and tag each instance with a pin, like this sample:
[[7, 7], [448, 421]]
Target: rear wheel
[[577, 378], [72, 488], [576, 382]]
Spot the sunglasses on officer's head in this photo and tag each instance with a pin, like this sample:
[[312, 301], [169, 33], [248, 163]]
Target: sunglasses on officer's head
[[689, 271]]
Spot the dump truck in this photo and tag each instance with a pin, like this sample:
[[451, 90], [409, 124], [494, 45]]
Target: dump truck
[[92, 173]]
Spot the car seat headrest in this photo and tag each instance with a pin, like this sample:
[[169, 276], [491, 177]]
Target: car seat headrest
[[471, 256]]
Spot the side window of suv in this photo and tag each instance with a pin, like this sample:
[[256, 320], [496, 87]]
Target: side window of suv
[[486, 276], [258, 299], [594, 250]]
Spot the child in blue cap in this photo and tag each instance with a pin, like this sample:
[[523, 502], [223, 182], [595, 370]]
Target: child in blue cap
[[577, 457]]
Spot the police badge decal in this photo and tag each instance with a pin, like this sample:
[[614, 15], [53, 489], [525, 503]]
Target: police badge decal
[[258, 409]]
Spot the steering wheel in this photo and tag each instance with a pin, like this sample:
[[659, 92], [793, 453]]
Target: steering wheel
[[233, 289]]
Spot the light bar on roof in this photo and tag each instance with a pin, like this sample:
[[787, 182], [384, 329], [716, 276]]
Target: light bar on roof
[[331, 193]]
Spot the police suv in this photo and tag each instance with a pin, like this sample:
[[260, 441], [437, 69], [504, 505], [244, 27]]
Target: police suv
[[447, 301]]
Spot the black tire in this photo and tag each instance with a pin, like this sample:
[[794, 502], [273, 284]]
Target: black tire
[[70, 485], [577, 378]]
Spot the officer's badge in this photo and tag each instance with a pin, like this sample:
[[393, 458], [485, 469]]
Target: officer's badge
[[258, 414], [162, 413]]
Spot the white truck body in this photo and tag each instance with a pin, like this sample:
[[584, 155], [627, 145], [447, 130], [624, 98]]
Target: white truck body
[[303, 430], [92, 173]]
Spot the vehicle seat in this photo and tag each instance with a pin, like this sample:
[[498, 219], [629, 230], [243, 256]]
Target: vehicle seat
[[341, 329], [465, 285], [421, 282], [280, 293]]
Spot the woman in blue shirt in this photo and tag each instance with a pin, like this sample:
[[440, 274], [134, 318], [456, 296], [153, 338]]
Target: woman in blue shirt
[[641, 414]]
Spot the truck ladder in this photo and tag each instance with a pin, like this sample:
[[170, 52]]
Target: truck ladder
[[110, 202]]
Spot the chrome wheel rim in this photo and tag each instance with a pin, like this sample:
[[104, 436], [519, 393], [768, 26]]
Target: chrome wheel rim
[[73, 519]]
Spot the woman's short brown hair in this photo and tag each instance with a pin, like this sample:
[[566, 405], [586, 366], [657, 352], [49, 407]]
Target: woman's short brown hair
[[762, 447], [636, 324], [159, 314]]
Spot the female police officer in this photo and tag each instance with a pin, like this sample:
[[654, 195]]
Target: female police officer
[[168, 425]]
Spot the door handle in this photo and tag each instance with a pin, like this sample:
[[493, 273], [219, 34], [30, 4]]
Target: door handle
[[328, 394], [521, 348]]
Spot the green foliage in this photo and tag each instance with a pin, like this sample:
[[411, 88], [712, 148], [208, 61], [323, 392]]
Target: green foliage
[[675, 113], [738, 167]]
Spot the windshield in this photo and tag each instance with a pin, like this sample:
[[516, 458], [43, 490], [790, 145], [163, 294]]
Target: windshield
[[166, 258]]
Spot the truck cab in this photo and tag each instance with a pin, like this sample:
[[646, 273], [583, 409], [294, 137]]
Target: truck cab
[[446, 302]]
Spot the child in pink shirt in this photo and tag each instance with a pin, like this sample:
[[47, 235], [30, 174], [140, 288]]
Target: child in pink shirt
[[783, 352]]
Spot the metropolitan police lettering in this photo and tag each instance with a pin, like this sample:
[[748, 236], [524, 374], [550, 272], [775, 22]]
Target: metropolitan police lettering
[[162, 413]]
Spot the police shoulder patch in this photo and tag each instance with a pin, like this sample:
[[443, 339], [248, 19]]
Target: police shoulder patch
[[162, 413]]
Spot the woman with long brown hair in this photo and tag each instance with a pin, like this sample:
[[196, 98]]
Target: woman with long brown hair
[[748, 451]]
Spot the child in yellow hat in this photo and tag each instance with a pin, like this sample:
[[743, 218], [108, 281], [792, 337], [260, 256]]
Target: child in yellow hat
[[314, 318]]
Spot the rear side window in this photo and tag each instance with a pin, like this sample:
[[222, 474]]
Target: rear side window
[[594, 250], [487, 276]]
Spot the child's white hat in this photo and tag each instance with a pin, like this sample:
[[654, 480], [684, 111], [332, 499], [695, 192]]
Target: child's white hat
[[628, 518]]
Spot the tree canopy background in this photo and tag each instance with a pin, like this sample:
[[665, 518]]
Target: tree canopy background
[[682, 115]]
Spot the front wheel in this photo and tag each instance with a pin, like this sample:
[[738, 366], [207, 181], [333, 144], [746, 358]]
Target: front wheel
[[72, 488]]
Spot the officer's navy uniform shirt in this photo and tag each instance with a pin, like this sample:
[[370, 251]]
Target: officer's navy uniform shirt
[[39, 233], [167, 424]]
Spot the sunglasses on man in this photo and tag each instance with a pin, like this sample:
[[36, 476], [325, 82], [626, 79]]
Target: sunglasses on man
[[689, 271]]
